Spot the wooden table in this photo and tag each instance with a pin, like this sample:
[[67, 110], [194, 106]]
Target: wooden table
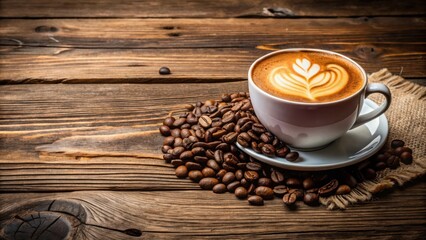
[[82, 160]]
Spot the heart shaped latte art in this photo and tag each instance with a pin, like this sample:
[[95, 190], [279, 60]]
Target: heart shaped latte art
[[306, 80]]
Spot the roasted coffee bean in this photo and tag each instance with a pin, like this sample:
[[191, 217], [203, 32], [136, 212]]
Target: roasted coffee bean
[[244, 139], [191, 119], [179, 122], [398, 151], [246, 106], [208, 172], [277, 177], [165, 148], [226, 97], [193, 166], [299, 193], [289, 199], [232, 186], [329, 188], [218, 156], [200, 133], [349, 180], [245, 183], [243, 121], [308, 183], [187, 155], [200, 144], [251, 175], [406, 158], [253, 135], [177, 151], [214, 144], [228, 178], [256, 147], [254, 166], [251, 188], [293, 182], [369, 173], [241, 165], [205, 121], [185, 126], [237, 106], [229, 127], [267, 137], [397, 143], [381, 157], [168, 121], [187, 143], [213, 164], [219, 188], [175, 132], [268, 150], [230, 138], [239, 174], [169, 141], [311, 199], [185, 133], [255, 200], [178, 142], [208, 183], [246, 127], [219, 133], [393, 162], [407, 149], [208, 136], [258, 128], [282, 152], [380, 166], [181, 172], [209, 154], [168, 157], [220, 174], [241, 192], [292, 156], [343, 189], [280, 190], [265, 192], [228, 117], [228, 167], [230, 159], [195, 175], [177, 162], [164, 130], [198, 151], [264, 182]]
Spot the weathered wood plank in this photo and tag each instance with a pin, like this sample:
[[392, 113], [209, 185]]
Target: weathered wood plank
[[210, 9], [196, 50], [203, 214]]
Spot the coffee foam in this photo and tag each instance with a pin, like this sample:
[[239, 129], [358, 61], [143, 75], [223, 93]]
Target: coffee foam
[[307, 76]]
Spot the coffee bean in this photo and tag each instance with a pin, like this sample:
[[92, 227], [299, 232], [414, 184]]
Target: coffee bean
[[213, 145], [299, 193], [219, 133], [198, 151], [251, 175], [208, 183], [177, 151], [168, 121], [195, 175], [343, 189], [205, 121], [253, 135], [280, 190], [228, 167], [289, 199], [397, 143], [193, 166], [164, 130], [181, 172], [239, 174], [268, 150], [230, 159], [245, 183], [209, 154], [175, 132], [349, 180], [369, 173], [255, 147], [381, 157], [277, 177], [380, 166], [178, 142], [254, 166], [311, 199], [244, 139], [293, 182], [292, 156], [329, 188], [220, 174], [407, 149], [191, 119], [237, 106], [169, 141], [179, 122], [184, 133], [264, 182], [267, 137], [201, 145], [229, 127], [246, 106], [208, 136], [219, 188], [168, 157], [228, 117], [241, 192], [228, 178], [265, 192], [255, 200], [187, 155], [393, 162], [232, 186], [308, 183], [177, 162], [282, 152], [226, 97], [406, 158], [208, 172], [164, 71], [230, 138], [213, 165], [258, 128], [165, 148], [218, 156]]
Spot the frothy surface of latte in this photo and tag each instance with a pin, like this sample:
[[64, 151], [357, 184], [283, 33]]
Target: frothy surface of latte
[[307, 76]]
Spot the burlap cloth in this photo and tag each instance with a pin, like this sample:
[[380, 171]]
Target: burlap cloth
[[407, 118]]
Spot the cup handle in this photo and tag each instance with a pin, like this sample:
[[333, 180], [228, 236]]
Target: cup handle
[[375, 88]]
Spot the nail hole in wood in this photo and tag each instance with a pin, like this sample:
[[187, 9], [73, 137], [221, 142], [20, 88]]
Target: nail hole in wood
[[174, 34]]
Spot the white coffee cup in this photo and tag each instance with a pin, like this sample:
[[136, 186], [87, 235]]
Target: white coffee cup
[[309, 126]]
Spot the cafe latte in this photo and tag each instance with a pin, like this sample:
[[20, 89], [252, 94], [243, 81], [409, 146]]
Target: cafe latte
[[307, 76]]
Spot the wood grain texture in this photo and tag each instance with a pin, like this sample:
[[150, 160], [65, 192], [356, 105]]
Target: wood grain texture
[[111, 51], [203, 214], [208, 9]]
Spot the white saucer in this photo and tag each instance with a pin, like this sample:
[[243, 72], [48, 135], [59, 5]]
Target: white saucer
[[356, 145]]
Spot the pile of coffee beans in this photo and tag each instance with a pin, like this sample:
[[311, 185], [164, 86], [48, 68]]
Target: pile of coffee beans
[[201, 144]]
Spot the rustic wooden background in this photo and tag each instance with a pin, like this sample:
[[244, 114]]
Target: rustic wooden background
[[82, 160]]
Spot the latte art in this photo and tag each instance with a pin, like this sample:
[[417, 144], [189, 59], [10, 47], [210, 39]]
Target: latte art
[[306, 80]]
